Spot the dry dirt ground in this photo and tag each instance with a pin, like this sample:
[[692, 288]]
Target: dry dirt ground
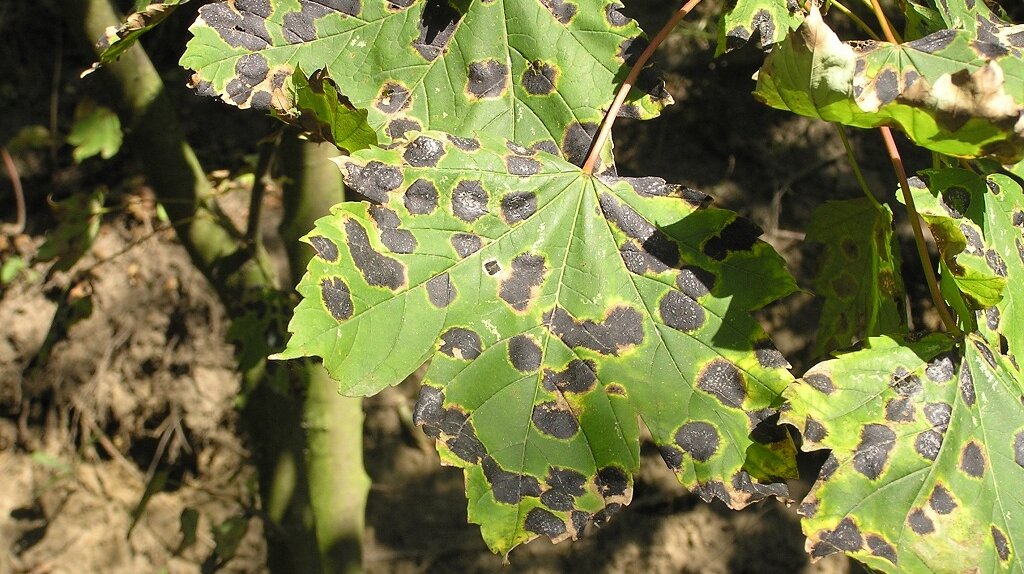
[[143, 385]]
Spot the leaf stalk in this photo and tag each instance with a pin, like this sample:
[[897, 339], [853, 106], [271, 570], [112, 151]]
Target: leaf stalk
[[627, 84]]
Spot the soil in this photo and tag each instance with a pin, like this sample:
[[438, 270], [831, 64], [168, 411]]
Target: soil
[[142, 386]]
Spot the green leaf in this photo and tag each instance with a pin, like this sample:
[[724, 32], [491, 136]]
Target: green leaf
[[78, 224], [859, 275], [769, 20], [117, 39], [323, 114], [189, 522], [953, 203], [953, 92], [971, 15], [927, 440], [96, 131], [228, 535], [538, 72], [555, 308], [11, 267]]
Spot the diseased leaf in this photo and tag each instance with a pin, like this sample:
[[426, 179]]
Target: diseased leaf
[[539, 72], [927, 440], [97, 131], [970, 15], [555, 308], [117, 39], [768, 20], [953, 203], [859, 276], [954, 92], [323, 114]]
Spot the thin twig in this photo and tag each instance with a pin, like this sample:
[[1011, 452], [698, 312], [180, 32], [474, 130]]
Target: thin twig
[[887, 29], [856, 167], [856, 20], [634, 72], [915, 223], [19, 194]]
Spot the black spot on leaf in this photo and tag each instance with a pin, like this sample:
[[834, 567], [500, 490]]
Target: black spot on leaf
[[941, 368], [613, 15], [992, 318], [441, 291], [540, 78], [541, 521], [564, 485], [421, 197], [545, 146], [527, 274], [438, 23], [299, 26], [820, 382], [765, 26], [846, 537], [465, 144], [492, 267], [509, 487], [724, 381], [522, 166], [469, 200], [622, 328], [695, 282], [577, 377], [466, 244], [373, 181], [461, 343], [580, 520], [423, 152], [975, 245], [378, 270], [553, 420], [337, 297], [711, 490], [325, 248], [429, 410], [397, 128], [562, 10], [972, 461], [487, 79], [465, 445], [524, 353], [985, 352], [1002, 544], [699, 439], [879, 547], [829, 467], [899, 410], [639, 261], [259, 8], [919, 522], [672, 456], [905, 383], [742, 482], [933, 43], [576, 142], [681, 312], [956, 200], [928, 443], [995, 262], [739, 235], [967, 386], [809, 507], [814, 431], [395, 239], [941, 500], [252, 69], [887, 86], [1018, 449], [518, 206], [872, 452], [938, 414], [393, 98], [612, 481], [768, 356], [243, 29]]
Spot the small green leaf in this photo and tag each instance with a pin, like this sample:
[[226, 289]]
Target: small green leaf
[[954, 91], [927, 440], [97, 131], [768, 20], [78, 224], [117, 39], [556, 307], [11, 268], [228, 535], [539, 72], [859, 275], [953, 203], [323, 114]]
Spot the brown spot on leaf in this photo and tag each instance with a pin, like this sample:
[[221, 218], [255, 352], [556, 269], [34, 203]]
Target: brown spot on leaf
[[541, 521], [393, 98], [522, 166], [518, 205], [681, 312], [622, 328], [461, 343], [395, 239], [899, 410], [820, 382], [524, 353], [846, 537], [933, 43], [373, 181], [814, 431], [466, 244], [1002, 544], [397, 128], [905, 383], [613, 15], [562, 10], [509, 487], [564, 485], [464, 144], [699, 439], [336, 297], [919, 522], [928, 443], [879, 547], [421, 197], [239, 29], [941, 500]]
